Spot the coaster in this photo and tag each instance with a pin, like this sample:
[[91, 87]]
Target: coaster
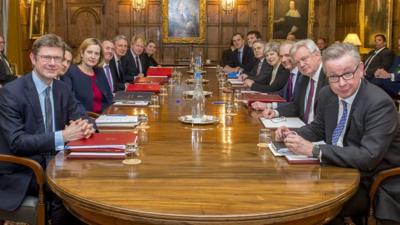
[[262, 145], [131, 161], [154, 106]]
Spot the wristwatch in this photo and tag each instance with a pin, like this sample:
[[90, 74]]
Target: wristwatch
[[316, 151]]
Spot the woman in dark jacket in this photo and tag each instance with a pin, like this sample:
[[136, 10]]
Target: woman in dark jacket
[[87, 79]]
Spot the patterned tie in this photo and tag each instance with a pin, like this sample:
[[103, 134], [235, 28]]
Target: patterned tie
[[309, 100], [259, 68], [48, 111], [340, 126], [109, 77], [290, 87]]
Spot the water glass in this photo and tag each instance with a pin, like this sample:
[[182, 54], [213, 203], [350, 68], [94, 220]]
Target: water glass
[[163, 90], [228, 108], [264, 138], [238, 94], [155, 100]]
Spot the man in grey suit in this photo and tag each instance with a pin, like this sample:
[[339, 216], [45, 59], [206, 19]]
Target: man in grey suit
[[360, 127], [307, 56]]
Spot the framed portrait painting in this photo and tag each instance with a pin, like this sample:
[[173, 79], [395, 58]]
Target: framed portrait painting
[[183, 21], [290, 17], [37, 19], [375, 18]]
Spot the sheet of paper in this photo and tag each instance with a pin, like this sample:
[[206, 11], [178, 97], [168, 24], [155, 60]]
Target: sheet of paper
[[290, 122]]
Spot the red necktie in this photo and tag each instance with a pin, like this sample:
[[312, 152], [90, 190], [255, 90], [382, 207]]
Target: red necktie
[[309, 101]]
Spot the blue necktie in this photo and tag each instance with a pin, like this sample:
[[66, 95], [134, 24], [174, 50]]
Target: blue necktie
[[340, 126]]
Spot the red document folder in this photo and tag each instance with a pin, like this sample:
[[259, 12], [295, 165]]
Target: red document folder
[[159, 71], [151, 80], [143, 88], [267, 98], [101, 146]]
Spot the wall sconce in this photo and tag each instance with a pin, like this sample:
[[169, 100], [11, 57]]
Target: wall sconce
[[138, 5], [352, 38], [25, 3], [228, 5]]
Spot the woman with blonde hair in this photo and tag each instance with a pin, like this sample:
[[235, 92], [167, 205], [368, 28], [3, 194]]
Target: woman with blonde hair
[[87, 80]]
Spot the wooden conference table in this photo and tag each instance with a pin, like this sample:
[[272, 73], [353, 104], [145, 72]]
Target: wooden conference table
[[212, 174]]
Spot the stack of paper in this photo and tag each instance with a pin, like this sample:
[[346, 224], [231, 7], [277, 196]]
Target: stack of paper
[[235, 81], [279, 149], [117, 120], [101, 146], [290, 122]]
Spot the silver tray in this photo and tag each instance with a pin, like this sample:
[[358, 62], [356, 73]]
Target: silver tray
[[208, 119], [191, 81], [190, 93]]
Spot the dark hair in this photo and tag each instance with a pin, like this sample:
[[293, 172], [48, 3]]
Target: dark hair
[[150, 41], [48, 40], [67, 48], [240, 34], [382, 36], [255, 32], [324, 39]]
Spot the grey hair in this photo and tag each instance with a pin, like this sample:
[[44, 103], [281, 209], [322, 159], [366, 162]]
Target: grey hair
[[120, 37], [337, 51], [271, 46], [307, 43]]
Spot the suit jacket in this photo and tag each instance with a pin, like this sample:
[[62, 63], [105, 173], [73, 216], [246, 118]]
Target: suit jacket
[[129, 66], [391, 87], [371, 141], [81, 86], [22, 132], [281, 78], [149, 60], [296, 108], [383, 59], [283, 92], [118, 79], [248, 59], [5, 75], [227, 57], [265, 73]]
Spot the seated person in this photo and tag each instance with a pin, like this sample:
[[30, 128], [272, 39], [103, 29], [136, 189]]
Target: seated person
[[262, 71], [87, 80], [133, 63], [38, 115], [227, 55], [6, 73], [278, 76], [148, 54], [360, 127], [389, 80], [242, 58], [253, 36], [66, 61], [380, 58]]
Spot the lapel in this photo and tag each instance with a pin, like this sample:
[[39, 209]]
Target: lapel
[[33, 99]]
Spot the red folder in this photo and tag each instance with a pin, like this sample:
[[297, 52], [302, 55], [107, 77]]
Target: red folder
[[143, 88], [151, 80], [159, 71], [101, 146], [267, 98]]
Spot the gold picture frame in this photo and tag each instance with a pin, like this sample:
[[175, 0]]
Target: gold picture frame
[[37, 18], [183, 21], [282, 19], [377, 19]]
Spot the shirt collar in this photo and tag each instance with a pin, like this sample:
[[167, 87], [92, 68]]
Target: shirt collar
[[295, 70], [315, 77], [39, 84]]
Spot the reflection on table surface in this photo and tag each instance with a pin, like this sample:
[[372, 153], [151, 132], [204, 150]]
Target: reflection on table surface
[[211, 174]]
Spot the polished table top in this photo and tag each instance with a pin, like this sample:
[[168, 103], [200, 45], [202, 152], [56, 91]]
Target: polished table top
[[212, 174]]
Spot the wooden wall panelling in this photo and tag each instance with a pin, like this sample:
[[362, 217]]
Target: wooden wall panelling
[[395, 25], [347, 18], [1, 16]]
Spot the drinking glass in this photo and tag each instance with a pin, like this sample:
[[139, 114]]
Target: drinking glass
[[264, 138], [131, 152], [228, 108], [238, 94], [155, 100], [163, 90]]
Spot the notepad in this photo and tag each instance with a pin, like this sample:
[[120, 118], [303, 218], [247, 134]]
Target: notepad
[[290, 122], [235, 81]]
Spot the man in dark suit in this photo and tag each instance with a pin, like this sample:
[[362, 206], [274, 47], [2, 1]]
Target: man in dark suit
[[262, 70], [380, 58], [38, 114], [308, 58], [115, 83], [6, 74], [133, 62], [121, 47], [360, 127], [242, 58]]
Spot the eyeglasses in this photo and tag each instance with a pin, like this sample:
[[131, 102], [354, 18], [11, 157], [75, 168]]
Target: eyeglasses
[[345, 76], [49, 58]]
